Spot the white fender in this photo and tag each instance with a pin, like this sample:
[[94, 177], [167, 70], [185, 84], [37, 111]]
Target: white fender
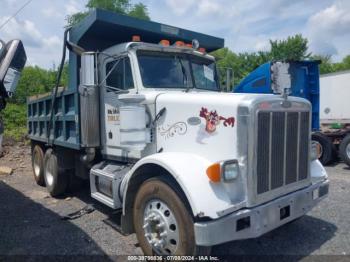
[[317, 171], [205, 198]]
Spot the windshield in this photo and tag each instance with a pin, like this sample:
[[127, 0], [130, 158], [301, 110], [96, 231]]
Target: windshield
[[172, 70]]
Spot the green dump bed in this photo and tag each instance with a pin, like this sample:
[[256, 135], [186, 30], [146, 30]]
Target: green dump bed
[[98, 31]]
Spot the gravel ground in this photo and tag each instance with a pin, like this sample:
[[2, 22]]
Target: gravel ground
[[31, 221]]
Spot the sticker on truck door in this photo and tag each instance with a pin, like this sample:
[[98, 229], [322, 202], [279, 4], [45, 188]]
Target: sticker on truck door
[[113, 116]]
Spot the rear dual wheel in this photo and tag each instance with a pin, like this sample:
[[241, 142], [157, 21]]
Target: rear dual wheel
[[324, 147], [38, 165], [162, 222], [56, 179]]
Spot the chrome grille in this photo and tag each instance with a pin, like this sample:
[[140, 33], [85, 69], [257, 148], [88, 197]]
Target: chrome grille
[[282, 149]]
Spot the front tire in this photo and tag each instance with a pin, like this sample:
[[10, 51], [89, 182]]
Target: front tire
[[38, 165], [55, 179], [162, 222], [344, 149]]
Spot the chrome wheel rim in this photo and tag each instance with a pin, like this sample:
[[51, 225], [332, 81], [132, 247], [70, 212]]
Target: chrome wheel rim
[[48, 173], [319, 148], [348, 150], [36, 164], [160, 227]]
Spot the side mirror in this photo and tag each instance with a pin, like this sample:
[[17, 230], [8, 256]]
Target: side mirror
[[12, 60]]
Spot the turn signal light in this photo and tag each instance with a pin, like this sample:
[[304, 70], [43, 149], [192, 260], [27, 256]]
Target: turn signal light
[[136, 38], [189, 45], [214, 172], [164, 42]]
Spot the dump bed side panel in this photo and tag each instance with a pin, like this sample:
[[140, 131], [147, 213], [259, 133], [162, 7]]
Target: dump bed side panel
[[65, 126]]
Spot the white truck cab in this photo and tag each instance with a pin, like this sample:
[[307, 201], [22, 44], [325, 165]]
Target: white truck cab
[[188, 165]]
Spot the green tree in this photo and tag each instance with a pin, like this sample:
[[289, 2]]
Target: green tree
[[292, 48], [139, 11], [35, 80], [123, 7], [346, 62], [326, 65]]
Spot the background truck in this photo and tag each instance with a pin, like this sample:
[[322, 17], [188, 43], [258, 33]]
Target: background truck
[[328, 94], [335, 111], [143, 119]]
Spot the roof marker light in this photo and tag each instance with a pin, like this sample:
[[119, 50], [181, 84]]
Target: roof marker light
[[202, 50], [164, 42], [179, 43], [136, 38]]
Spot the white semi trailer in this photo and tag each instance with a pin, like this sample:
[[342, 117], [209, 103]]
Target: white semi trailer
[[335, 112], [189, 167]]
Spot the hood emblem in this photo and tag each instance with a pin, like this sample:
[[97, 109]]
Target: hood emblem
[[194, 121]]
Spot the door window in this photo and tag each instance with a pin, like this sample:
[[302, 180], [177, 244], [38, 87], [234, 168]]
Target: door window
[[119, 75]]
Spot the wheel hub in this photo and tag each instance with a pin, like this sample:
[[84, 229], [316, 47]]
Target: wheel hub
[[160, 227], [36, 164], [319, 149], [48, 173]]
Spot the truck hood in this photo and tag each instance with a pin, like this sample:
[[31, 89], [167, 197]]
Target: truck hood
[[201, 123]]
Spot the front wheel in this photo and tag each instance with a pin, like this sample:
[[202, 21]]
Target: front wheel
[[162, 222]]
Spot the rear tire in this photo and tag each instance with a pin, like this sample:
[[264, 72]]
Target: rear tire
[[170, 212], [344, 150], [325, 146], [38, 165], [55, 179]]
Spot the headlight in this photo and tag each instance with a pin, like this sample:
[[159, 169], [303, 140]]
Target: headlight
[[230, 170], [314, 154], [226, 171]]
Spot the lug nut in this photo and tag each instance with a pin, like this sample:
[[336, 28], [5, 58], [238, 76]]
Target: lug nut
[[160, 225], [161, 243]]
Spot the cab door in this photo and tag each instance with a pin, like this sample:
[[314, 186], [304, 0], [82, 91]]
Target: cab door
[[118, 79]]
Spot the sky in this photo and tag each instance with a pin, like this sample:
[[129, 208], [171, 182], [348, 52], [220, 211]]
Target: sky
[[246, 25]]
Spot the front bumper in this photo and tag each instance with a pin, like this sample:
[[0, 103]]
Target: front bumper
[[254, 222]]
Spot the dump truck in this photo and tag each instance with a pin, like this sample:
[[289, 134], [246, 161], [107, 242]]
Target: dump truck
[[188, 166], [327, 95]]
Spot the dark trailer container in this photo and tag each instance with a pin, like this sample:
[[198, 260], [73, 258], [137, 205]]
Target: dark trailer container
[[97, 32]]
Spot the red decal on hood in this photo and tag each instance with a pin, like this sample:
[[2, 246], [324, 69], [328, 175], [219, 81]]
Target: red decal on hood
[[213, 119]]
